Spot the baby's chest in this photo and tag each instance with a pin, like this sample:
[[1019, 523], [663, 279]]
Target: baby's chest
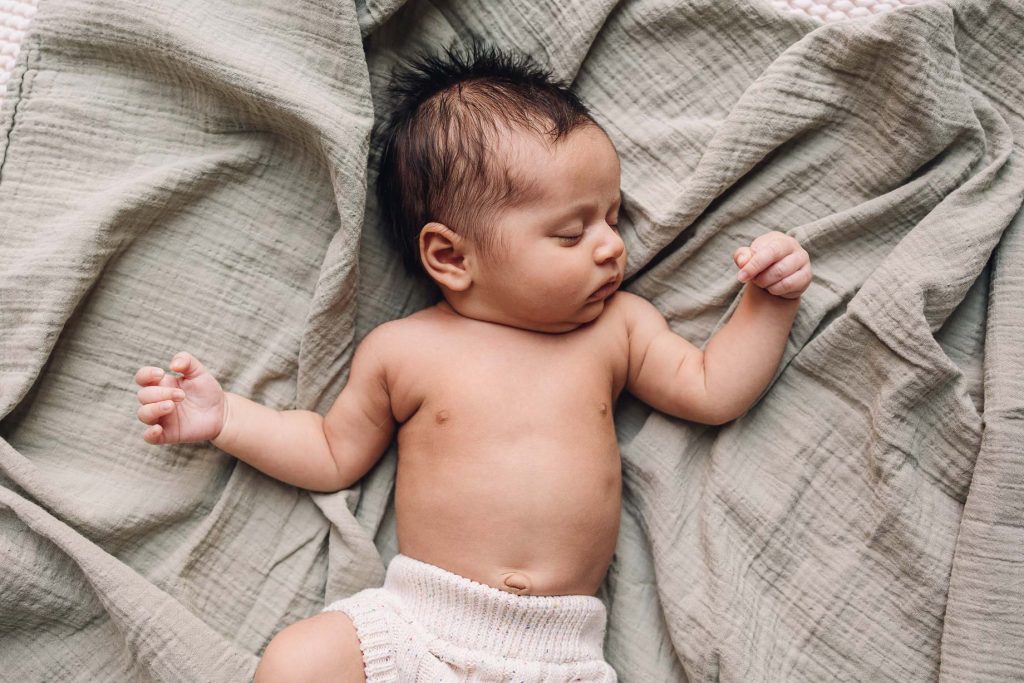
[[514, 384], [527, 410]]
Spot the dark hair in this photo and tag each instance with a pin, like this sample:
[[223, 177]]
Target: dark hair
[[438, 160]]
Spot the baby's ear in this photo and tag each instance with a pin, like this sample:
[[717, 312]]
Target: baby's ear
[[443, 253]]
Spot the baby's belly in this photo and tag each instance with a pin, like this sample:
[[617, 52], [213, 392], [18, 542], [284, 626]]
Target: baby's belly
[[537, 519]]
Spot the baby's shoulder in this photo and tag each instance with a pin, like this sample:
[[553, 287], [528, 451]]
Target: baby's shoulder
[[395, 338], [627, 309], [390, 334]]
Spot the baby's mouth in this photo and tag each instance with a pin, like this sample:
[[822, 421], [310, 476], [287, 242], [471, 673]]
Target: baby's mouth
[[605, 290]]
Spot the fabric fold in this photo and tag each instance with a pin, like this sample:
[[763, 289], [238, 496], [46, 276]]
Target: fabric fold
[[195, 175]]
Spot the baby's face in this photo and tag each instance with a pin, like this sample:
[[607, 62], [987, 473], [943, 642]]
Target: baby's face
[[560, 255]]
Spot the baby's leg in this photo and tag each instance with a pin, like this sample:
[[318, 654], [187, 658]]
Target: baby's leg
[[321, 648]]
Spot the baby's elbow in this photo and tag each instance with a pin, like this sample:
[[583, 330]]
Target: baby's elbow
[[702, 415], [713, 420], [717, 415], [726, 416], [339, 477]]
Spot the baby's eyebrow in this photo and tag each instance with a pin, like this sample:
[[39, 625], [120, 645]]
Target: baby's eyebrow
[[583, 207]]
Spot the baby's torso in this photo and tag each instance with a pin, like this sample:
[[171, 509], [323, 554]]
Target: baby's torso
[[508, 466]]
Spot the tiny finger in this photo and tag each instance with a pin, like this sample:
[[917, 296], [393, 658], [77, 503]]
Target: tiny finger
[[148, 376], [154, 434], [763, 256], [780, 270], [152, 394], [187, 364], [152, 412], [797, 282], [775, 237]]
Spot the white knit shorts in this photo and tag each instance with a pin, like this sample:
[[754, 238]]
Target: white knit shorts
[[428, 624]]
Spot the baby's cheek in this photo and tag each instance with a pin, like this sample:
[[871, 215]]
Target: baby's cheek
[[565, 283], [558, 280]]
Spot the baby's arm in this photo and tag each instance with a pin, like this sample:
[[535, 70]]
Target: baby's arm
[[721, 382], [299, 447], [303, 448]]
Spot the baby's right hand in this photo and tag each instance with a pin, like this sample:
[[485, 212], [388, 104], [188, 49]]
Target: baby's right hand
[[180, 409]]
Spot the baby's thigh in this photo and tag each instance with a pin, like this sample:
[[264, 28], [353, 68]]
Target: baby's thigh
[[321, 648]]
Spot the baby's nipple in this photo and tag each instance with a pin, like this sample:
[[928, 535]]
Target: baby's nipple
[[517, 583]]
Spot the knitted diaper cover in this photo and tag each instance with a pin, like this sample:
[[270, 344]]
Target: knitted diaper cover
[[428, 624]]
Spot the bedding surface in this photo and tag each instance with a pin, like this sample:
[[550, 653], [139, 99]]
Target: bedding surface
[[16, 15], [193, 176]]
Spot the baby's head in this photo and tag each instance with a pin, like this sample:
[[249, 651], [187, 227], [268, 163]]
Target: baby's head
[[496, 183]]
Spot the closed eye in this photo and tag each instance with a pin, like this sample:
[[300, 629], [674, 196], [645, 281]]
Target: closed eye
[[570, 239]]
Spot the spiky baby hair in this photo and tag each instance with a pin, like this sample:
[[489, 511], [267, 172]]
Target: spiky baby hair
[[441, 158]]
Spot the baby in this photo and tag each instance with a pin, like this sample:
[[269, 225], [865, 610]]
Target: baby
[[497, 185]]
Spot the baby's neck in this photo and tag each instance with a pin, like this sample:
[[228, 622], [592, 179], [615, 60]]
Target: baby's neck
[[488, 315]]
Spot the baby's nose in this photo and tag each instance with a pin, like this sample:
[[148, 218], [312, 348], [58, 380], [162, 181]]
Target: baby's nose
[[611, 246]]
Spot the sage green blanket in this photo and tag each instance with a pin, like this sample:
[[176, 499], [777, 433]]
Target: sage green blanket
[[193, 175]]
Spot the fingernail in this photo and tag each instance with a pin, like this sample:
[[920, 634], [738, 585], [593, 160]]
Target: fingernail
[[743, 276], [179, 394], [167, 405]]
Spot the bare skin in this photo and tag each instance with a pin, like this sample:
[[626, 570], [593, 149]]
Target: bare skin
[[322, 649], [530, 498], [502, 394]]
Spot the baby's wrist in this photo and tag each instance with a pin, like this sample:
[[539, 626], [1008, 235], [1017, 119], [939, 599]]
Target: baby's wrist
[[221, 438]]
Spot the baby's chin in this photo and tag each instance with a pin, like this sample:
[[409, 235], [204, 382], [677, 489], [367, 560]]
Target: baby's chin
[[588, 314]]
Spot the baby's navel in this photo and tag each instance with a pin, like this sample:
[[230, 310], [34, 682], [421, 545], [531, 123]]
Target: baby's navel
[[516, 583], [441, 417]]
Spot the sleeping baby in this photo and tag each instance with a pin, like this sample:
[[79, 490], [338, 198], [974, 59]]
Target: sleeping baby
[[498, 188]]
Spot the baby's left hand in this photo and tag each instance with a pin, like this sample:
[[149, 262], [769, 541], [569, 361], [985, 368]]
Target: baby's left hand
[[775, 262]]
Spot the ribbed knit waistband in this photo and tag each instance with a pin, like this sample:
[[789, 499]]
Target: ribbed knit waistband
[[560, 628]]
